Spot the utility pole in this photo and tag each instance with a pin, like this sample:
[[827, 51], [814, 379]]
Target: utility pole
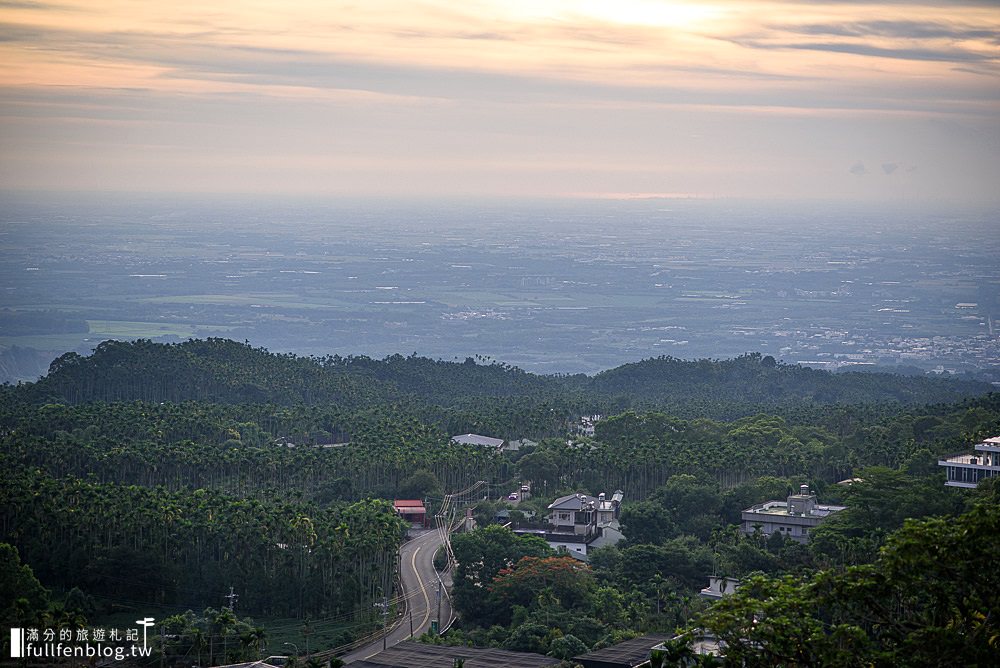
[[439, 605], [385, 619], [411, 623], [233, 597]]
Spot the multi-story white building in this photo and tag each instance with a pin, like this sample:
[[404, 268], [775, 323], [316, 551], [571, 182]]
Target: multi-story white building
[[793, 518], [719, 587], [579, 521], [967, 469]]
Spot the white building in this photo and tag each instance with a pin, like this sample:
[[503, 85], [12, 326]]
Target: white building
[[580, 522], [719, 587], [793, 518], [967, 469]]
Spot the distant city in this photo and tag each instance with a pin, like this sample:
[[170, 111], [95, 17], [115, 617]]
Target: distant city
[[549, 287]]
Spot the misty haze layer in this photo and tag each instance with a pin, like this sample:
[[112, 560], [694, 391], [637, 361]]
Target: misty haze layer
[[550, 287]]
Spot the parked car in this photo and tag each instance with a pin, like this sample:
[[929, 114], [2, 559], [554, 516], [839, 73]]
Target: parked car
[[525, 488], [512, 496]]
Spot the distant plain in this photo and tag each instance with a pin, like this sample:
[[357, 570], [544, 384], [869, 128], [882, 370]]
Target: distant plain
[[549, 286]]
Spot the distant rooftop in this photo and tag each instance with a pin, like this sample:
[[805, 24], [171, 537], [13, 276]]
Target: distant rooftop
[[573, 501], [966, 458], [476, 439], [580, 500], [781, 508], [626, 654], [409, 654]]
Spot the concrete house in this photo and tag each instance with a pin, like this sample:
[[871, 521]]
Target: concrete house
[[793, 518], [579, 521], [967, 469]]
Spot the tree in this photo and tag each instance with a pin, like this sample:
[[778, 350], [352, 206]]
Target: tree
[[932, 593], [22, 598], [687, 497], [877, 504], [481, 555], [647, 522], [419, 484], [528, 637], [567, 647], [562, 581], [540, 468]]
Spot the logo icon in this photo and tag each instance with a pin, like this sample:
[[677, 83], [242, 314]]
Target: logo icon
[[146, 622]]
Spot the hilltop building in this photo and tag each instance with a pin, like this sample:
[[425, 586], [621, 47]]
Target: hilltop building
[[482, 441], [719, 587], [579, 522], [792, 518], [967, 469]]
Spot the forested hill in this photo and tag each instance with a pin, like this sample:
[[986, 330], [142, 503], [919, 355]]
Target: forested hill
[[755, 379], [223, 371]]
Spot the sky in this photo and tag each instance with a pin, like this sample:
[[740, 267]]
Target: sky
[[882, 102]]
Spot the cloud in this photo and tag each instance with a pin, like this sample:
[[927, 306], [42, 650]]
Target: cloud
[[915, 30], [185, 61], [902, 53], [889, 167], [858, 169], [40, 6]]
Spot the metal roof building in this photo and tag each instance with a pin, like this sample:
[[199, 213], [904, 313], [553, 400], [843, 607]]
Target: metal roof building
[[623, 655], [410, 654], [476, 439], [411, 510]]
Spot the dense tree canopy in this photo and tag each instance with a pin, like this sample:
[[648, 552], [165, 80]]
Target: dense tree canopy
[[930, 598], [168, 473]]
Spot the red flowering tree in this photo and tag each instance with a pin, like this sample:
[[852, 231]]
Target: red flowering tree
[[541, 581]]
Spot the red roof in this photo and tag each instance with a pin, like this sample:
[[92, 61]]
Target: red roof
[[409, 507]]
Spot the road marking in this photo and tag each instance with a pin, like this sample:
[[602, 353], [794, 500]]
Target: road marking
[[423, 589]]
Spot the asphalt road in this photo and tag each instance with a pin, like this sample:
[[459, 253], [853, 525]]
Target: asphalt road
[[416, 560]]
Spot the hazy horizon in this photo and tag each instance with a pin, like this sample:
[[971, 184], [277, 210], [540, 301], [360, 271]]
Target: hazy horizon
[[550, 286]]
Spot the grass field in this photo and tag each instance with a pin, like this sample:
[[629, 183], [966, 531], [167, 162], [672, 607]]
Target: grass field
[[282, 633]]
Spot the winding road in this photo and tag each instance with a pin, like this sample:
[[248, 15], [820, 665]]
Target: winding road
[[420, 586]]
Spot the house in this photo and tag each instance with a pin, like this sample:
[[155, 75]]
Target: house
[[586, 425], [792, 518], [515, 446], [700, 642], [719, 587], [578, 522], [967, 469], [411, 510], [483, 441], [503, 515]]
